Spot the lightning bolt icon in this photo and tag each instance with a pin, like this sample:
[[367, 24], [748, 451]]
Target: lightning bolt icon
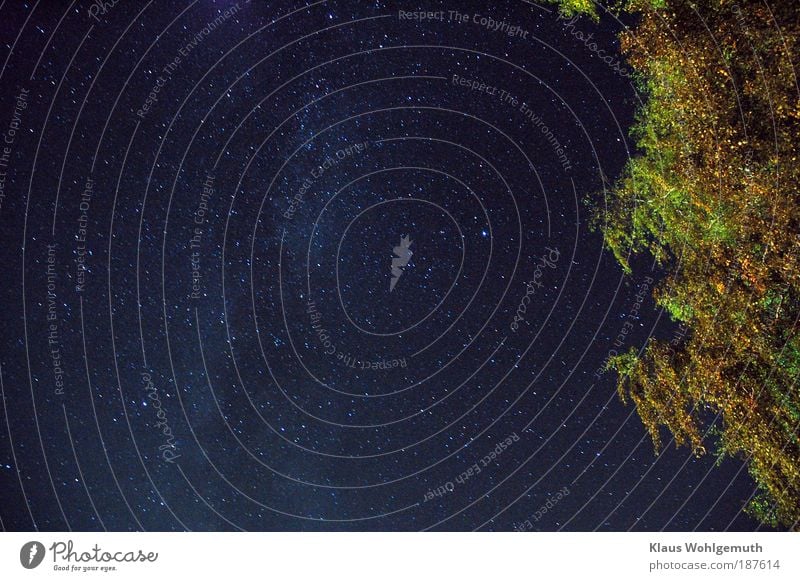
[[32, 554], [400, 260]]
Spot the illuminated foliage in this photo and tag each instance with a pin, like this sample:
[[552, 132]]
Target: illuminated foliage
[[713, 196], [569, 8]]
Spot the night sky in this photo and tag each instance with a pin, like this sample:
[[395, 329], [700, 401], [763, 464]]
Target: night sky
[[326, 266]]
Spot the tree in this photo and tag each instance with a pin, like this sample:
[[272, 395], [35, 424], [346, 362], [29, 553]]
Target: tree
[[712, 194]]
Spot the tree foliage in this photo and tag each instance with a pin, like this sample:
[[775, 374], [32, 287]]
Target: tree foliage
[[570, 8], [713, 196]]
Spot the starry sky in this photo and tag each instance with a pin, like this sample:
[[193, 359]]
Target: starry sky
[[329, 266]]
